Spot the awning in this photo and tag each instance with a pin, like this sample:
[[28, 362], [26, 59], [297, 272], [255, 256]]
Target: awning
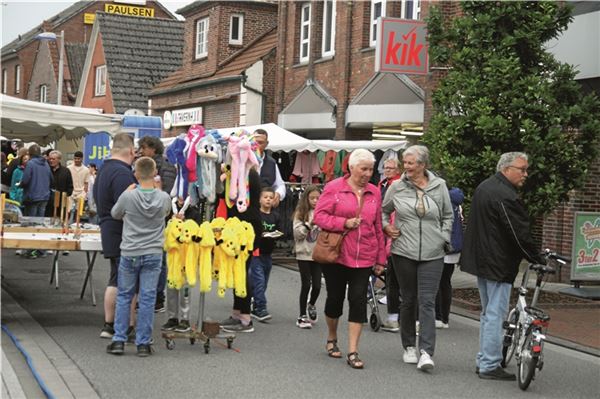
[[313, 109], [43, 123], [143, 125]]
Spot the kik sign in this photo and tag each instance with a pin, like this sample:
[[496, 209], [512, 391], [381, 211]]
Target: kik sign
[[401, 46]]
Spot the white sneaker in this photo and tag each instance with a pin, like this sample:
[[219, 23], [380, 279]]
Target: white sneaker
[[440, 324], [303, 322], [410, 355], [382, 300], [425, 361]]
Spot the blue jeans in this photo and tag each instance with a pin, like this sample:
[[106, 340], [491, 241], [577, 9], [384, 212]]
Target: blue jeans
[[494, 308], [146, 269], [36, 208], [260, 269]]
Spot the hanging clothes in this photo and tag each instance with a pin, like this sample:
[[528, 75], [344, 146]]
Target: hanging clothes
[[306, 166], [328, 166]]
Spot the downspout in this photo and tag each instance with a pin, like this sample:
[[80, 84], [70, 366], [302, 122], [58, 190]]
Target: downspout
[[347, 69], [260, 93]]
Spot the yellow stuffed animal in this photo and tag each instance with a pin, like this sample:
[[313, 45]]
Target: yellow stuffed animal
[[207, 243], [230, 247], [190, 250], [175, 275], [217, 225]]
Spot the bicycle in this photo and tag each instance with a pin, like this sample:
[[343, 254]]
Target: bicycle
[[526, 325]]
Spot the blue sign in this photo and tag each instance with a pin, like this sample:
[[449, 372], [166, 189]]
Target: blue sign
[[96, 148], [143, 125]]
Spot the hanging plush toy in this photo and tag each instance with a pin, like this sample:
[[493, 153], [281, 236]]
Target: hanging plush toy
[[210, 157], [206, 245], [176, 156], [194, 134], [190, 251], [175, 273], [242, 159], [231, 248]]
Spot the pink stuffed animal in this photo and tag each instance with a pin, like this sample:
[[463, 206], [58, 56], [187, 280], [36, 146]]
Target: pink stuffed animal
[[242, 159]]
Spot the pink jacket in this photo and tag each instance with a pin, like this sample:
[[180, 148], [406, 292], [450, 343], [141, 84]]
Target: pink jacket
[[364, 246]]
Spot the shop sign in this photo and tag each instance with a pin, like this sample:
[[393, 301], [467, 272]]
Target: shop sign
[[167, 120], [129, 10], [585, 260], [401, 46], [187, 117], [89, 18], [96, 147]]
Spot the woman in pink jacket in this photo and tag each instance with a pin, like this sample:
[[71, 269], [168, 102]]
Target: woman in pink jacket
[[351, 204]]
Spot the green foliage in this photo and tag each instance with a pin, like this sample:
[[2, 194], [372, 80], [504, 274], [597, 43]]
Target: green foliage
[[505, 92]]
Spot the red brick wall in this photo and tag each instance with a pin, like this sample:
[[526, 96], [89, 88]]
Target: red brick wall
[[89, 99]]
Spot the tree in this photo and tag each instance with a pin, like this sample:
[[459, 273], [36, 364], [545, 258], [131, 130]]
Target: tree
[[505, 92]]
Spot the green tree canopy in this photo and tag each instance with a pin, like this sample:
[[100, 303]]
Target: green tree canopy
[[505, 92]]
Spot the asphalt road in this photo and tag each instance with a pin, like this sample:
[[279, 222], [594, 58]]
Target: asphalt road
[[277, 360]]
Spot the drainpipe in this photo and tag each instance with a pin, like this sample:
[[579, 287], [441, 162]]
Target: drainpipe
[[260, 93], [347, 72]]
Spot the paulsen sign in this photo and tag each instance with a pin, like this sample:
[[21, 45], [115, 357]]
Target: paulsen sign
[[401, 46]]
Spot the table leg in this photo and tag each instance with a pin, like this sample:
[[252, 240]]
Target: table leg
[[54, 272], [88, 275]]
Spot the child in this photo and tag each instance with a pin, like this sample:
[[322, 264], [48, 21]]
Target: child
[[305, 236], [260, 266], [143, 209]]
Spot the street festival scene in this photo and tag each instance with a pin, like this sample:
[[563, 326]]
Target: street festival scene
[[268, 199]]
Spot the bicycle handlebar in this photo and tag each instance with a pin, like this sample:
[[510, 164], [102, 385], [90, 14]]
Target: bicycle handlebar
[[554, 256]]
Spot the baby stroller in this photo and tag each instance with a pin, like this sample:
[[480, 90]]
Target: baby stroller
[[374, 294]]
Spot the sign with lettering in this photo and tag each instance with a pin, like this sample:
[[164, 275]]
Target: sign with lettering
[[129, 10], [401, 46], [186, 117], [585, 260], [96, 147], [167, 120], [89, 18]]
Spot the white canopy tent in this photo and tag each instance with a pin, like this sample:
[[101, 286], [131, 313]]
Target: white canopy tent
[[43, 123]]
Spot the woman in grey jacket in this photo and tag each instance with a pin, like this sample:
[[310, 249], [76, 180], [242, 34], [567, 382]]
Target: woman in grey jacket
[[420, 233]]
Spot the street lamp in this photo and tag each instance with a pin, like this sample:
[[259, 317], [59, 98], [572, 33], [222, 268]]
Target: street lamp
[[54, 36]]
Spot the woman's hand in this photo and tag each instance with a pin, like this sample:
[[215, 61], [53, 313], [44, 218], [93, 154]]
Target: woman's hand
[[352, 223], [391, 231], [378, 269]]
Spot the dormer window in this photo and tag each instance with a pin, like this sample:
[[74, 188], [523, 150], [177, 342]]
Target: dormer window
[[236, 29], [202, 38]]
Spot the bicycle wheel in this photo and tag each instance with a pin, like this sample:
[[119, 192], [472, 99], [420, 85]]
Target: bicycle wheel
[[511, 337], [526, 363]]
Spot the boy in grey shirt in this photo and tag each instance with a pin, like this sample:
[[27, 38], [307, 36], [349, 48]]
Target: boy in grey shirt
[[143, 209]]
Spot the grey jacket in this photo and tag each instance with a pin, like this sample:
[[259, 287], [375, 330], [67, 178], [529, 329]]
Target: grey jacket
[[143, 213], [305, 237], [421, 238]]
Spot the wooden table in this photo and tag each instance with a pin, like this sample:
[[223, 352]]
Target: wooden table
[[44, 238]]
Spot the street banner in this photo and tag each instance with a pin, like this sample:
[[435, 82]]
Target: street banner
[[585, 263], [96, 147], [401, 46]]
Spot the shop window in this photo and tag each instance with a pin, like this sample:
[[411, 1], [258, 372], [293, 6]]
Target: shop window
[[18, 79], [305, 32], [411, 9], [43, 93], [377, 10], [202, 38], [328, 28], [100, 86], [4, 81], [236, 29]]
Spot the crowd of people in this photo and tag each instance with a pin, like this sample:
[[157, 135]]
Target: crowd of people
[[408, 227]]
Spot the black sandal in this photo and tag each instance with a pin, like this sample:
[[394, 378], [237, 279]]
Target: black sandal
[[354, 361], [334, 351]]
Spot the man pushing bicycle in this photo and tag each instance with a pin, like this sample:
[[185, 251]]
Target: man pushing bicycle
[[497, 238]]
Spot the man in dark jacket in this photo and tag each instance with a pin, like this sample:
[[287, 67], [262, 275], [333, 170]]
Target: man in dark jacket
[[113, 178], [268, 169], [150, 146], [63, 180], [496, 240], [36, 183]]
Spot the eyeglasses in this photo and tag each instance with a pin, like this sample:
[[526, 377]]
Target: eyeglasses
[[523, 170], [389, 168]]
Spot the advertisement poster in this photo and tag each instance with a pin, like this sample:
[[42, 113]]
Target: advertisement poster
[[585, 264], [96, 148]]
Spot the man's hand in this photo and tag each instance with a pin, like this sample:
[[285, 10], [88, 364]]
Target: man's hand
[[276, 200]]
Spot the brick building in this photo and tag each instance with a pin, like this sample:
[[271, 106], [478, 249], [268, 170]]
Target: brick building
[[227, 73], [25, 54]]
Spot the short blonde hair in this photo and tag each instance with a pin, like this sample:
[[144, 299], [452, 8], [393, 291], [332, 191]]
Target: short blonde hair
[[145, 168]]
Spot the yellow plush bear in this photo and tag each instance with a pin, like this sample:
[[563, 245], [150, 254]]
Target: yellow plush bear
[[206, 245], [190, 250], [217, 225], [230, 247], [175, 273]]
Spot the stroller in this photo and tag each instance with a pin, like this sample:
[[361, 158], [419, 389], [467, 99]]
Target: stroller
[[374, 293]]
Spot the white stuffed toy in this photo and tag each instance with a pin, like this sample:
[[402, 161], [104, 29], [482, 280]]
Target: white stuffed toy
[[211, 155]]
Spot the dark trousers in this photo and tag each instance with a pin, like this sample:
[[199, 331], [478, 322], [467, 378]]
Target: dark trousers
[[243, 304], [392, 289], [337, 279], [444, 295], [310, 277]]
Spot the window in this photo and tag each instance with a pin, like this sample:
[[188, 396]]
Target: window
[[18, 79], [236, 29], [43, 93], [377, 10], [202, 38], [304, 32], [100, 87], [328, 28], [4, 80], [411, 9]]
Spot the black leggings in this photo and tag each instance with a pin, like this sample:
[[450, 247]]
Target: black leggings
[[310, 275], [243, 304], [444, 295], [337, 278]]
